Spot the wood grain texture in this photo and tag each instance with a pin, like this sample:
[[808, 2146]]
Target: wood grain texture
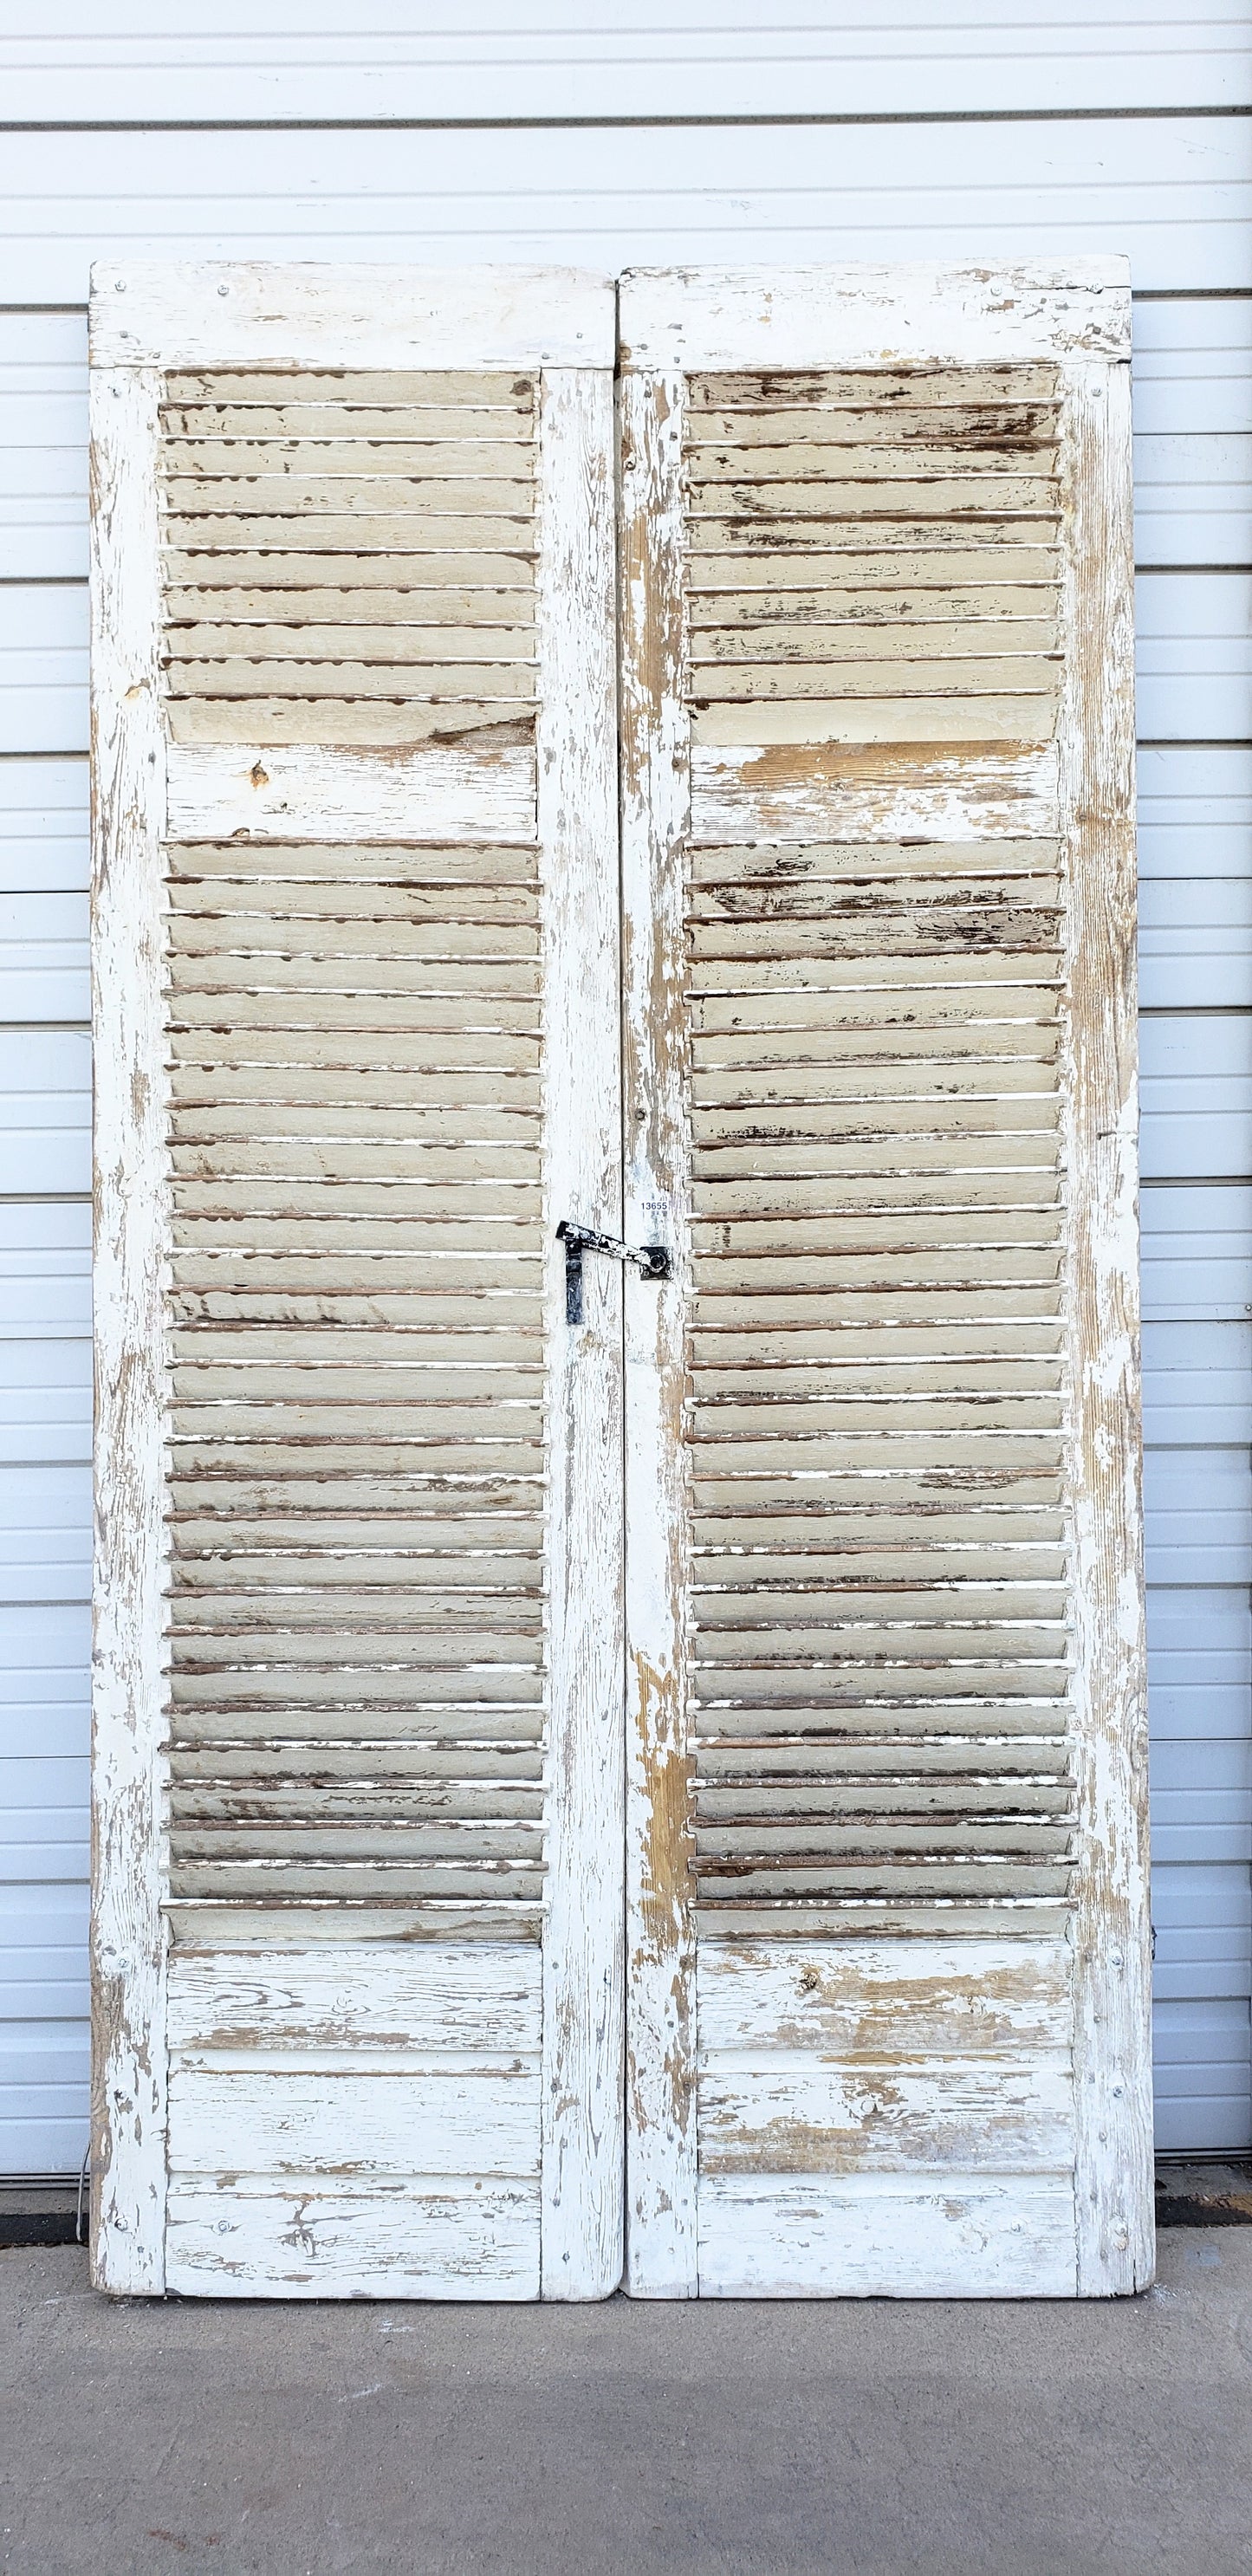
[[412, 2238], [388, 1999], [661, 2241], [302, 315], [291, 2118], [1114, 2189], [867, 2002], [222, 791], [128, 2170], [583, 1946], [910, 314], [785, 2236], [858, 792]]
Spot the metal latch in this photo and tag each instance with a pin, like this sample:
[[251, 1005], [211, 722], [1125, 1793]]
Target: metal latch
[[651, 1260]]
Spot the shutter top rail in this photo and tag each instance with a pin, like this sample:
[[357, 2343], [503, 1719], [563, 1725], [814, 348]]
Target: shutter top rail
[[870, 314], [289, 316]]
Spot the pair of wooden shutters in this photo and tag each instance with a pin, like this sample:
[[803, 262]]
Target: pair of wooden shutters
[[633, 1772]]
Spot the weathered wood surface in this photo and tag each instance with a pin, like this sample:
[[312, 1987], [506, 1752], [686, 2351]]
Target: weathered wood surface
[[402, 2075], [205, 315], [782, 499], [432, 793], [584, 1997], [416, 2239], [785, 2236], [904, 315], [1114, 2182], [788, 2116], [856, 792], [661, 2182], [296, 2120], [863, 2002], [394, 1999], [130, 1233], [202, 1926], [305, 483], [258, 1653], [897, 1167]]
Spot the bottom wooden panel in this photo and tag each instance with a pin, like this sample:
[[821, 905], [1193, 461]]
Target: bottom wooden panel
[[964, 2236], [355, 2121], [423, 2239]]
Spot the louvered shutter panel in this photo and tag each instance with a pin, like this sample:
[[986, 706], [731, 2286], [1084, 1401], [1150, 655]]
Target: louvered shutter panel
[[358, 1828], [887, 2026]]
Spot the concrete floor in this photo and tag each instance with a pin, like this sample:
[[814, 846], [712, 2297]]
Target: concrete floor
[[866, 2439]]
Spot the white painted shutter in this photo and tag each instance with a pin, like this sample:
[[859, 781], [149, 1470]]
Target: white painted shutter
[[357, 1704], [887, 2024]]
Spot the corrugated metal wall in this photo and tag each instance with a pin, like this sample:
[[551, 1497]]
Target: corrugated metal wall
[[1032, 129]]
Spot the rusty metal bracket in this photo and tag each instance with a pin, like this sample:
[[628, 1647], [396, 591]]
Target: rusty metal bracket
[[651, 1260]]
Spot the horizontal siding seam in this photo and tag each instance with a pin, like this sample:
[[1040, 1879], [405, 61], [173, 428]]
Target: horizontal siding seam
[[620, 124]]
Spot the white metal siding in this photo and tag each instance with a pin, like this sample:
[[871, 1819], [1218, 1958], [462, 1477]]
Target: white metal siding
[[966, 150], [223, 60]]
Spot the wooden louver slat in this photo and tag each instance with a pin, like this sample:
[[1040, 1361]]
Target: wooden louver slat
[[356, 1668], [356, 1169], [349, 559], [909, 1146]]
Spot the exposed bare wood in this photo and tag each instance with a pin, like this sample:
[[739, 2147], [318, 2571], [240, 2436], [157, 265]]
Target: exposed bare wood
[[916, 313], [661, 2174], [1113, 2182], [477, 795], [130, 1232], [819, 791], [584, 1997]]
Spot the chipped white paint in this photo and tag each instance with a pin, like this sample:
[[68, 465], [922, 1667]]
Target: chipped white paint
[[911, 314], [240, 313], [885, 2057], [355, 2120], [130, 1237], [1113, 2050], [882, 2236], [895, 2111], [382, 1998], [415, 2238], [661, 2251], [274, 792], [577, 751], [868, 2002], [808, 792]]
